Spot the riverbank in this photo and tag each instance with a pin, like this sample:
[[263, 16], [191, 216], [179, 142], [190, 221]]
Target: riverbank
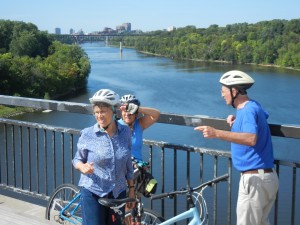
[[217, 61], [201, 60], [6, 111]]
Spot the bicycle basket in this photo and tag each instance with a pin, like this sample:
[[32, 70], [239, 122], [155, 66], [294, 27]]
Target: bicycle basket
[[146, 184]]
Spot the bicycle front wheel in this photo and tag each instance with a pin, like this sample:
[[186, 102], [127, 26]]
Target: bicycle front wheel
[[64, 205], [149, 217]]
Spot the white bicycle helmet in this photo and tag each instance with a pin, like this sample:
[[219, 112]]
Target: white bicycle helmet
[[130, 99], [236, 78], [106, 96]]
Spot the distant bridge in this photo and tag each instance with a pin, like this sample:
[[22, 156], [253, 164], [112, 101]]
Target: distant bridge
[[78, 38]]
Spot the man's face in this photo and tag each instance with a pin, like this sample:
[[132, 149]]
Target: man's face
[[225, 92]]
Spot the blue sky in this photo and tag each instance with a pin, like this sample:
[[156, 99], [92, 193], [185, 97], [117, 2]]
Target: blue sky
[[94, 15]]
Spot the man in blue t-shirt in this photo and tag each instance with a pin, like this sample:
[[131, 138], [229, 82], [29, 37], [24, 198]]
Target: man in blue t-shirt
[[251, 148]]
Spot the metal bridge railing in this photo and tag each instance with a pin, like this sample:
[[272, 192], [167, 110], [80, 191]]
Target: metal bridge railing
[[35, 158]]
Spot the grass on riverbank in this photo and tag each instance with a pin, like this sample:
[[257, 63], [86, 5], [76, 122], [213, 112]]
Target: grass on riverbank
[[6, 111]]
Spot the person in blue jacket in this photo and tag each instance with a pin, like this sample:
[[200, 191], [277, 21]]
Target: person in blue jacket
[[104, 159], [138, 118], [251, 149]]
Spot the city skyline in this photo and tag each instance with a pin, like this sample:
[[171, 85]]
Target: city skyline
[[125, 27], [95, 15]]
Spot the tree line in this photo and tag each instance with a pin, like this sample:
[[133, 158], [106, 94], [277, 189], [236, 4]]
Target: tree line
[[33, 64], [275, 42]]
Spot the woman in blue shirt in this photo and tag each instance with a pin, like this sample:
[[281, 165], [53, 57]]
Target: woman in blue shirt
[[104, 159], [131, 110]]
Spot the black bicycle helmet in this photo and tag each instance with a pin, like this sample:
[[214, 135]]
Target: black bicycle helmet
[[130, 99]]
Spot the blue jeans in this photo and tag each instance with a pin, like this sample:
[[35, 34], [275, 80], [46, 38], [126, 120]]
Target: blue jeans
[[93, 213]]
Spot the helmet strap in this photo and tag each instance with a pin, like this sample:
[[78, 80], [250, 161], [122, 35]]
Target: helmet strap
[[233, 97]]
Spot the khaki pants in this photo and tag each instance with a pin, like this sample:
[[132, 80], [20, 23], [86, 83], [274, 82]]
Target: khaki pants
[[257, 194]]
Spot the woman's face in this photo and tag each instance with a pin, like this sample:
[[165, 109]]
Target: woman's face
[[128, 118], [103, 114]]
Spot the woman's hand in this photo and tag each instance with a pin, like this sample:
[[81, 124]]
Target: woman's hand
[[131, 108], [123, 107], [86, 168]]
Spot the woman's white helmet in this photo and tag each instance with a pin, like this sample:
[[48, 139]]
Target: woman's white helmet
[[106, 96], [236, 78]]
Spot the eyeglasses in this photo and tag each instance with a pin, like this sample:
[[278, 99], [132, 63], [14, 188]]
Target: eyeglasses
[[224, 91], [100, 113]]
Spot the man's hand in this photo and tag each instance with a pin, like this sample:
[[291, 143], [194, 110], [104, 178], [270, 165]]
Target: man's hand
[[230, 120], [208, 132]]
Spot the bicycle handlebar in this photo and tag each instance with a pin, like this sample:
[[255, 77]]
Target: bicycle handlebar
[[173, 193]]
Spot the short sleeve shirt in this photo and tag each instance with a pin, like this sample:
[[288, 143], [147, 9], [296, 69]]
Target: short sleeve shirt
[[252, 119]]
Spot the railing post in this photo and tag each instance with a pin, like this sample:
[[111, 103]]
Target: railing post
[[175, 179], [215, 191], [163, 179]]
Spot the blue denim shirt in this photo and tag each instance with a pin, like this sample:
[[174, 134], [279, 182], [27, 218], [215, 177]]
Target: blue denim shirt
[[111, 157]]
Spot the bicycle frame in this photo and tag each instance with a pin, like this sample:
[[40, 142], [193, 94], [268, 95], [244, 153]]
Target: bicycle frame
[[64, 214], [191, 213]]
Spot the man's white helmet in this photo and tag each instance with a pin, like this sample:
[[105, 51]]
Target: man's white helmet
[[106, 96], [236, 78]]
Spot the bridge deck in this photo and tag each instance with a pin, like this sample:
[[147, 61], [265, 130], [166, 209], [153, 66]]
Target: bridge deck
[[16, 212]]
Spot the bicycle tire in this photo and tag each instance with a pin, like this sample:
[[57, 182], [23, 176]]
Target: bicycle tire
[[59, 199], [149, 217]]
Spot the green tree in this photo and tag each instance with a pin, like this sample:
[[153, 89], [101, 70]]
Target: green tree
[[32, 65], [24, 44], [5, 63]]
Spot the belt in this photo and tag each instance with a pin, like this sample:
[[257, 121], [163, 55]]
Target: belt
[[256, 171]]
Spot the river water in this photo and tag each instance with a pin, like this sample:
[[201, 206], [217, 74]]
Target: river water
[[182, 87]]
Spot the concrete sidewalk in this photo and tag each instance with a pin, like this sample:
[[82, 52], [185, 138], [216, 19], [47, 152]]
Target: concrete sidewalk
[[16, 212]]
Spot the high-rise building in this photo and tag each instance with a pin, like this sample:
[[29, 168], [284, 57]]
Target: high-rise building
[[72, 31], [57, 31], [127, 26]]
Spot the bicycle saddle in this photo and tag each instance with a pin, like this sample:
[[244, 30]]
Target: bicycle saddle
[[109, 202]]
